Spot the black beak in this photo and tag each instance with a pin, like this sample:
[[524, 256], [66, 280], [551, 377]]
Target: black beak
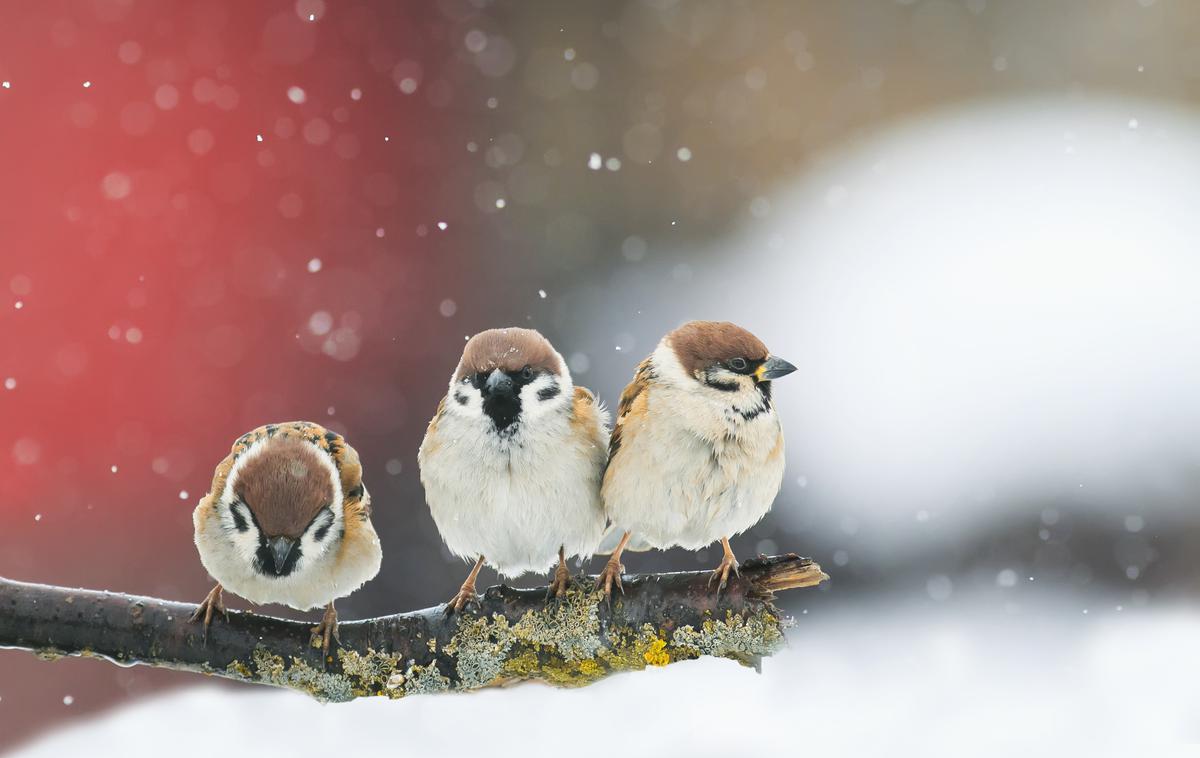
[[499, 383], [281, 548], [773, 368]]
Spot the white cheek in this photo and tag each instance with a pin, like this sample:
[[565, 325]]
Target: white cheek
[[312, 549], [534, 407], [472, 408], [245, 544]]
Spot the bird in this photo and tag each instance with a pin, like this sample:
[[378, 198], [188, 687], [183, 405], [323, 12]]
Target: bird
[[287, 520], [511, 462], [696, 454]]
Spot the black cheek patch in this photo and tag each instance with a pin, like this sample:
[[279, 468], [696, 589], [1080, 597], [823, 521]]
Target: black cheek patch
[[722, 386], [323, 530], [239, 521], [549, 392], [461, 398]]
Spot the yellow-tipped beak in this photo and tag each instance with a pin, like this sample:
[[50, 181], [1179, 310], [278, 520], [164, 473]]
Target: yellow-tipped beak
[[773, 368]]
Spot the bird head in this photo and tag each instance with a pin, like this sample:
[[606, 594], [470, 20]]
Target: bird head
[[510, 378], [282, 505], [722, 358]]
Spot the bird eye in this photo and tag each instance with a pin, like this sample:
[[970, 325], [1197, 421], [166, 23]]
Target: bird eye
[[527, 373], [738, 364]]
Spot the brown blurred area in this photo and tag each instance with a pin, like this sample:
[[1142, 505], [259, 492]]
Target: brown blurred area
[[755, 91], [587, 137]]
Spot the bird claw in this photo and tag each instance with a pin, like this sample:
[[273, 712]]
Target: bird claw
[[560, 584], [464, 597], [326, 631], [211, 604], [728, 563], [609, 576]]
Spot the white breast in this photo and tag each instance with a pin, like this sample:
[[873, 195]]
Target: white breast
[[693, 471], [514, 500]]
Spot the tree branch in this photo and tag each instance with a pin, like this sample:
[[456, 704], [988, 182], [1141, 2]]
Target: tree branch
[[513, 635]]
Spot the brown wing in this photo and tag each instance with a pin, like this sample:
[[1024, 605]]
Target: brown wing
[[588, 417], [429, 442], [633, 396]]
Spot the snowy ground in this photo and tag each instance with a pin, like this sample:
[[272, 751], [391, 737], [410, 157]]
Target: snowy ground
[[851, 684]]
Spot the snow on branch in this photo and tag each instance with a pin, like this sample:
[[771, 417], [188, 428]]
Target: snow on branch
[[513, 634]]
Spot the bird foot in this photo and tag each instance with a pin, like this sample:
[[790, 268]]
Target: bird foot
[[211, 604], [561, 582], [728, 563], [609, 576], [465, 596], [326, 631]]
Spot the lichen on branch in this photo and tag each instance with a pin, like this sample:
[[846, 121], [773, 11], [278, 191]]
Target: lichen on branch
[[513, 634]]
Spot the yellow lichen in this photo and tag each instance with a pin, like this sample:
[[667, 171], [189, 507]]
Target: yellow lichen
[[372, 670], [656, 654], [522, 666], [239, 670]]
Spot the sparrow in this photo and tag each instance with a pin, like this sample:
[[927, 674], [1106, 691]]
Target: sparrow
[[697, 451], [287, 520], [512, 460]]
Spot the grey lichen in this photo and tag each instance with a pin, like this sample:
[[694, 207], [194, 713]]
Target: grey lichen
[[743, 638], [571, 626], [272, 669], [480, 649], [424, 680]]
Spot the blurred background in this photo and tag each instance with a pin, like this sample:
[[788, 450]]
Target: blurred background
[[970, 223]]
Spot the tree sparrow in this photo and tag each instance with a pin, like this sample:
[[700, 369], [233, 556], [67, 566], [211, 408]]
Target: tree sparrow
[[697, 452], [287, 520], [511, 462]]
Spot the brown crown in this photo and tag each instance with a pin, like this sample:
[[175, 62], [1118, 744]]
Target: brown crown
[[700, 344], [285, 486], [510, 349]]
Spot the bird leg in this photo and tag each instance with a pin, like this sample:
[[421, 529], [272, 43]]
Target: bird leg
[[211, 603], [562, 577], [326, 631], [613, 569], [728, 563], [466, 593]]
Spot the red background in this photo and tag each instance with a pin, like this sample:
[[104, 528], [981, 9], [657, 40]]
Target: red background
[[156, 298]]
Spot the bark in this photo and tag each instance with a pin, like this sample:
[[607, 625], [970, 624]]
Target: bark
[[513, 634]]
